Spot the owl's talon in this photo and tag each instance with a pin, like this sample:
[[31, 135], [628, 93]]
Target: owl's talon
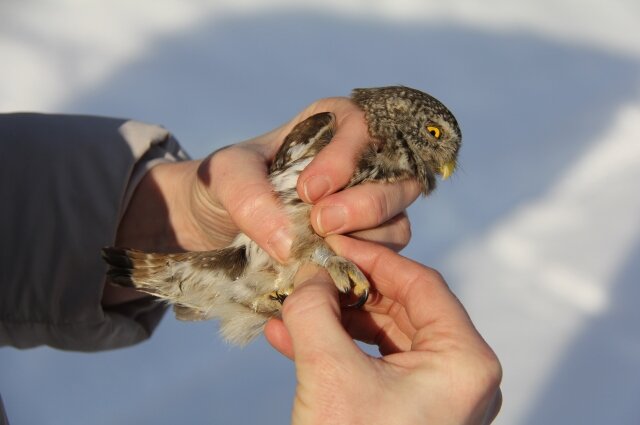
[[361, 301], [278, 296]]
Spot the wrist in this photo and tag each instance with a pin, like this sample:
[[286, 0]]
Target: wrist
[[157, 217]]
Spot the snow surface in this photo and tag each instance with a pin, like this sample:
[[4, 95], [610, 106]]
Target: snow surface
[[539, 232]]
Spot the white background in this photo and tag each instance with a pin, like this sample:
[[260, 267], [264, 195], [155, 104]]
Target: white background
[[539, 232]]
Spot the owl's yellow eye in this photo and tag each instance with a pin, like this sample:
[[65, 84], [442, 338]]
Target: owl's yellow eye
[[434, 131]]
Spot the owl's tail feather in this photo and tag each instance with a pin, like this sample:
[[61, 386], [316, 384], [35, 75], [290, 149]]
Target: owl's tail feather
[[178, 279], [120, 265], [162, 275], [132, 268], [189, 279]]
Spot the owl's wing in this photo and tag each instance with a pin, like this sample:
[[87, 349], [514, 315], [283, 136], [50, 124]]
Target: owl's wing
[[305, 140]]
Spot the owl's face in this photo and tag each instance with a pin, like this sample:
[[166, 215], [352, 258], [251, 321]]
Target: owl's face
[[408, 119], [437, 140]]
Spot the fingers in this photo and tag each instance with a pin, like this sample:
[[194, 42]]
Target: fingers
[[379, 304], [395, 234], [441, 322], [333, 167], [236, 178], [377, 329], [277, 335], [384, 323], [362, 207], [421, 291], [358, 208], [312, 318]]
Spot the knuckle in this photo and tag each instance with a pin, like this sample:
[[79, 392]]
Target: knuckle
[[249, 202], [329, 103], [483, 374], [307, 302], [215, 165], [495, 372], [403, 229], [223, 155], [298, 304], [376, 207], [432, 275], [491, 366]]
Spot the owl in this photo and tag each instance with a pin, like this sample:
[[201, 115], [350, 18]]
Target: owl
[[415, 137]]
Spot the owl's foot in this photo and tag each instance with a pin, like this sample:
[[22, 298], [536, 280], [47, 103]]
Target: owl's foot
[[278, 296], [269, 304], [348, 277]]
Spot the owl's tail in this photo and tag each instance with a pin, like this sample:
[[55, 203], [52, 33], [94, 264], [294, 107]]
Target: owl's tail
[[171, 277], [133, 268], [200, 285]]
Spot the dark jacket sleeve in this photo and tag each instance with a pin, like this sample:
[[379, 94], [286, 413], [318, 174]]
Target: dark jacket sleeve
[[64, 184]]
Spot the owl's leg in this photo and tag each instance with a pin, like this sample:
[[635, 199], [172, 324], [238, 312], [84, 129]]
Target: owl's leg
[[345, 274]]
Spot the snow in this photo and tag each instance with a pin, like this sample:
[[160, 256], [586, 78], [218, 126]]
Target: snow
[[538, 233]]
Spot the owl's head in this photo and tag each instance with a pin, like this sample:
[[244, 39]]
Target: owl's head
[[405, 119]]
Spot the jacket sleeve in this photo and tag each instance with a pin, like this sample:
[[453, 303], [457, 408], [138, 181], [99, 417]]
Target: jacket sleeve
[[64, 184]]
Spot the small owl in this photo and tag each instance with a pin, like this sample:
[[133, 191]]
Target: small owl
[[416, 137]]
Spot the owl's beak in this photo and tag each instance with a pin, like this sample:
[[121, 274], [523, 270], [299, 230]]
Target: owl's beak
[[447, 169]]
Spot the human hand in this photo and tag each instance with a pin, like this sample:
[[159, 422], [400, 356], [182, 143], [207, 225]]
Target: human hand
[[435, 369], [206, 203]]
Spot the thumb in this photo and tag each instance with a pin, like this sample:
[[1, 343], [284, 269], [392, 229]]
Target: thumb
[[311, 314]]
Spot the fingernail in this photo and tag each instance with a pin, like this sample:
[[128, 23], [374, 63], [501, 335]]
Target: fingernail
[[280, 243], [316, 187], [331, 218]]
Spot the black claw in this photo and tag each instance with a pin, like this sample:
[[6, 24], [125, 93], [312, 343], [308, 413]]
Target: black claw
[[279, 296], [363, 299]]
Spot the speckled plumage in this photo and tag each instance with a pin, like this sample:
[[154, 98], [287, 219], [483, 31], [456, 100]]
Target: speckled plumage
[[398, 117], [241, 285]]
